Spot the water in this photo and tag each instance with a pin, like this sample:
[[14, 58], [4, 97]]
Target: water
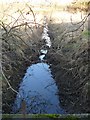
[[38, 88], [43, 52]]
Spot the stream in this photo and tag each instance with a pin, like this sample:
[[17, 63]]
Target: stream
[[38, 90]]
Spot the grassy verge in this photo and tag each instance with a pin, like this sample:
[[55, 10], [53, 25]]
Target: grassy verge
[[46, 116]]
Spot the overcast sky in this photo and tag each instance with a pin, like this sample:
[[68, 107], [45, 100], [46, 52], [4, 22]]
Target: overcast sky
[[39, 1], [36, 1]]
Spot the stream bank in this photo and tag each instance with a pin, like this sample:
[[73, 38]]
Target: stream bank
[[34, 56], [37, 93], [73, 91], [69, 65], [16, 57]]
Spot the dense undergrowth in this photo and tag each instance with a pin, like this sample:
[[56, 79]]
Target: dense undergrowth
[[68, 55], [20, 48], [69, 59]]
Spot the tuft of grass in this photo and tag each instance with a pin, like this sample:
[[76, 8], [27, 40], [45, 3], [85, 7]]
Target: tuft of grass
[[45, 116], [86, 33], [70, 117]]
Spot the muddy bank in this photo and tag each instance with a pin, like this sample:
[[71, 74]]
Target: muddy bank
[[69, 64], [17, 55]]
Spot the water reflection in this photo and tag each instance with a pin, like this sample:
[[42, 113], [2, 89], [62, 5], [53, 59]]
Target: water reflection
[[38, 89]]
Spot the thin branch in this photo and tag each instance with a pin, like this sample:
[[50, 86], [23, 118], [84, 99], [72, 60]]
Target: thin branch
[[9, 84], [3, 26], [80, 21], [33, 14], [76, 28], [20, 39], [49, 85]]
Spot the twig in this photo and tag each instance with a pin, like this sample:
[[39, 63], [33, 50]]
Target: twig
[[49, 85], [21, 39], [9, 84], [80, 21], [3, 26], [33, 14], [76, 28]]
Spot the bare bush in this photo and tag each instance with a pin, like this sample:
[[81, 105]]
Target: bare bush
[[70, 55], [20, 45]]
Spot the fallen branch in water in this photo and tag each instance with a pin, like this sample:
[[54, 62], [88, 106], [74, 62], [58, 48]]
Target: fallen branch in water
[[49, 85]]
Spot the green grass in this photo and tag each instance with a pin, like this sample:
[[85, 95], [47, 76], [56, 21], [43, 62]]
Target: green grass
[[86, 33], [50, 116], [70, 117], [31, 115]]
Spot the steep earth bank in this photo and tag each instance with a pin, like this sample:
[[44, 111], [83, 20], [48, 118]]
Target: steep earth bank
[[18, 52], [69, 63]]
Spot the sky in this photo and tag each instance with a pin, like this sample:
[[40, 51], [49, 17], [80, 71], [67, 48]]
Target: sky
[[41, 1], [36, 1]]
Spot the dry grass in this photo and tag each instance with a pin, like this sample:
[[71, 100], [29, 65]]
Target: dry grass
[[21, 42], [20, 29], [69, 58], [20, 48]]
